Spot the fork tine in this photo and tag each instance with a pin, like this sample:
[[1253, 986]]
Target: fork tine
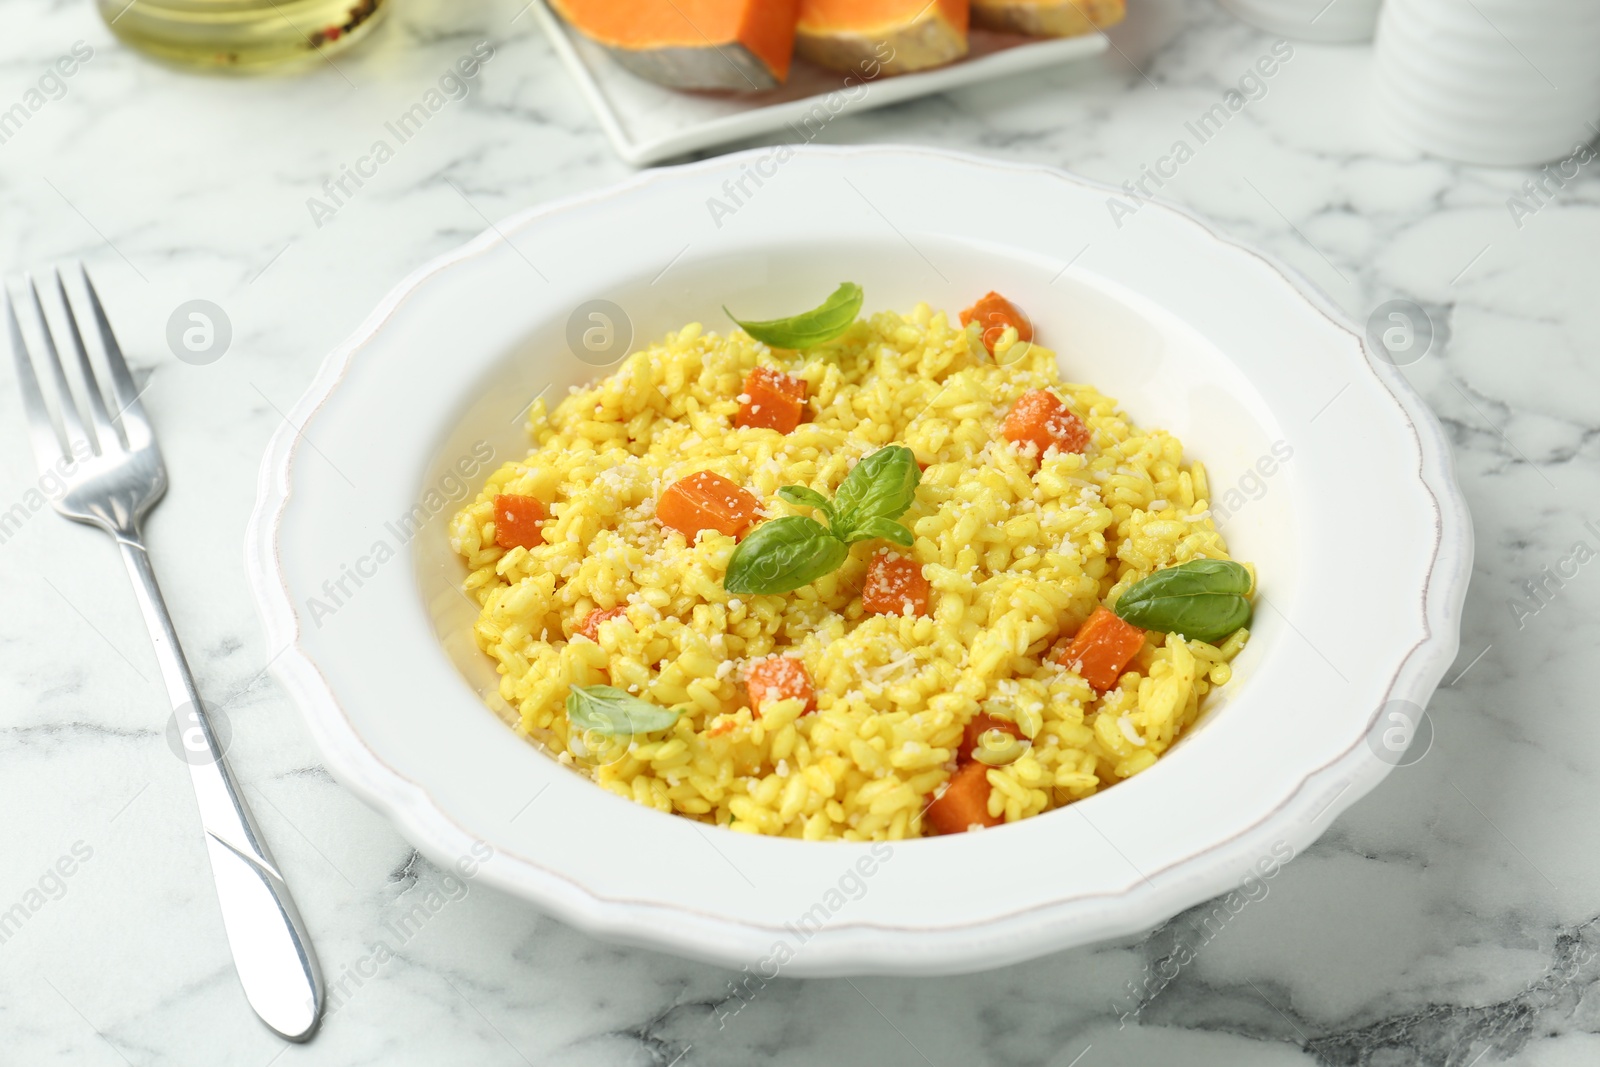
[[129, 410], [104, 429], [71, 418], [41, 431]]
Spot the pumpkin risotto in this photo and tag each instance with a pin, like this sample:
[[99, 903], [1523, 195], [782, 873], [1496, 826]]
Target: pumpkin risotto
[[863, 578]]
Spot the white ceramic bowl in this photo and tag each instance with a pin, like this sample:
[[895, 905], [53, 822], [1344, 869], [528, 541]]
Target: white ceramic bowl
[[1362, 541], [1317, 21]]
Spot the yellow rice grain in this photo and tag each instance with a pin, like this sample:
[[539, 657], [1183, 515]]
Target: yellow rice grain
[[1018, 552]]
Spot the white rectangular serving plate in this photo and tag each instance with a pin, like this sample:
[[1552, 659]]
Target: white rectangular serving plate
[[647, 123]]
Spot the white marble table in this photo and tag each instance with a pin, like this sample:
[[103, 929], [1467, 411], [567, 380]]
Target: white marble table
[[1449, 918]]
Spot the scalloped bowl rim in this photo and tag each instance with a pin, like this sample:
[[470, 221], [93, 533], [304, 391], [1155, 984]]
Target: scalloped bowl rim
[[854, 947]]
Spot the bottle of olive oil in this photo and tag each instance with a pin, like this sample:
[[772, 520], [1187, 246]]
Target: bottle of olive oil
[[240, 35]]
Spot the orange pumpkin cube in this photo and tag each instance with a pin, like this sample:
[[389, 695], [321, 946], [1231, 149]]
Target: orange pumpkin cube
[[773, 400], [707, 501], [895, 585], [1041, 420], [993, 313], [518, 521], [964, 802], [590, 627], [1101, 649], [977, 726], [779, 678]]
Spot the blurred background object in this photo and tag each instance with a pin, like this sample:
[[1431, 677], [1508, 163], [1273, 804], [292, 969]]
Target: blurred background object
[[1324, 21], [1494, 82], [240, 35], [637, 92]]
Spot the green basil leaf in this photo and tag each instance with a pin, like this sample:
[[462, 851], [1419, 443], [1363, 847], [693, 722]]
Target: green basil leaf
[[605, 709], [783, 554], [887, 529], [823, 323], [1198, 576], [882, 486], [1204, 600], [807, 498]]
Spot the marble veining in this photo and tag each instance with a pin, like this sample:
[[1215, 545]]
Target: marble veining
[[1447, 919]]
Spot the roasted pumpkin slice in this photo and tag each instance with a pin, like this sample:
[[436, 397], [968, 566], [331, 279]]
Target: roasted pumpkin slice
[[1047, 18], [734, 45], [873, 37]]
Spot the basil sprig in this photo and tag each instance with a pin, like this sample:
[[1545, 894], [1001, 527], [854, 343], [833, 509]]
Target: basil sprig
[[822, 323], [878, 489], [784, 554], [1204, 600], [605, 709]]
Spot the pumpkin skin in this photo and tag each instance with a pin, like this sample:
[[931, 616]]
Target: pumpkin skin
[[741, 46], [878, 37], [730, 68], [1048, 18]]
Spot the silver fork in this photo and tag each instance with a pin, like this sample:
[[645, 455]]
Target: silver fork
[[114, 476]]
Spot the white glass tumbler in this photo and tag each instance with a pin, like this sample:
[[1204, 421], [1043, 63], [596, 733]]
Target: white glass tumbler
[[1318, 21], [1495, 82]]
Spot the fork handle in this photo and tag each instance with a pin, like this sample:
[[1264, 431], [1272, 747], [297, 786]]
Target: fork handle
[[271, 951]]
